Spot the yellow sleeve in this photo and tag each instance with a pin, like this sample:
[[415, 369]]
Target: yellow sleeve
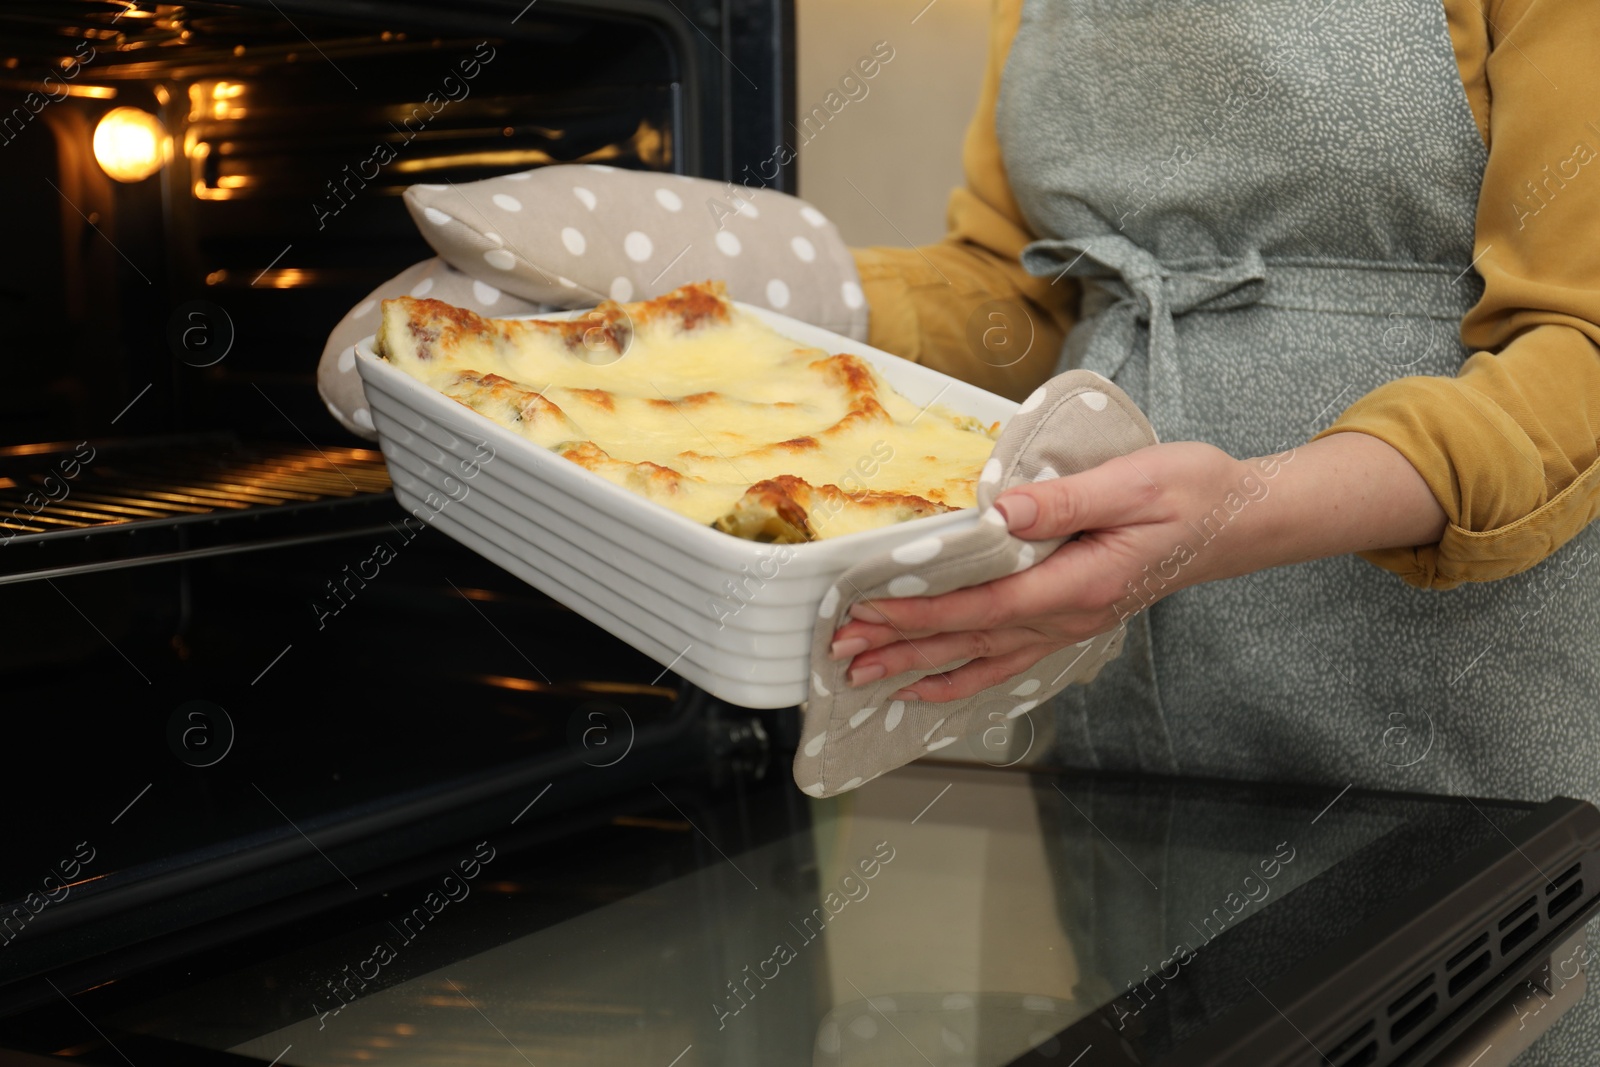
[[928, 304], [1509, 445]]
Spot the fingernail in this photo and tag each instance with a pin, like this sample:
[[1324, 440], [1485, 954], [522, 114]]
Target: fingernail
[[847, 648], [904, 694], [1020, 509], [867, 613], [870, 673]]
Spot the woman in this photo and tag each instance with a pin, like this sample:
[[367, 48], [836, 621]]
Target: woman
[[1253, 215], [1355, 239], [1291, 200]]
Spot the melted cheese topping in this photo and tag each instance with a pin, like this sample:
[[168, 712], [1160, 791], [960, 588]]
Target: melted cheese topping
[[703, 408]]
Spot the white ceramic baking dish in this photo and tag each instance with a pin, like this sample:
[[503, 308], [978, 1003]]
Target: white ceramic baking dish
[[732, 616]]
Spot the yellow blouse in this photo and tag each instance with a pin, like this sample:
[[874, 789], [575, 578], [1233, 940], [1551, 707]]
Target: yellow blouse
[[1509, 446]]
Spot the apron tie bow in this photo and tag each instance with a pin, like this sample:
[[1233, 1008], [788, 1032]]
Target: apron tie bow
[[1136, 288]]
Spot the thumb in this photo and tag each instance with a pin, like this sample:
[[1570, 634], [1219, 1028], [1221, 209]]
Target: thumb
[[1112, 494]]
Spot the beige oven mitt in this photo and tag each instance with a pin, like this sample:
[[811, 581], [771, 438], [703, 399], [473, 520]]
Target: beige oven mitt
[[1073, 422], [571, 236]]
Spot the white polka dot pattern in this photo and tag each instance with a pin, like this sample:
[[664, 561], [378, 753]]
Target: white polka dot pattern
[[507, 202], [907, 585], [485, 293], [621, 289], [1022, 708], [777, 294], [804, 249], [669, 199], [435, 216], [585, 197], [573, 241], [891, 718], [637, 246], [500, 259], [728, 243], [918, 551]]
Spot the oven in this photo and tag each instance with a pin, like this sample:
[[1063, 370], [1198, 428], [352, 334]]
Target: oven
[[236, 643]]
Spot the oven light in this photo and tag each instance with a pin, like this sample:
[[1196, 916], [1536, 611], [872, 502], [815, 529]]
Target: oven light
[[130, 144]]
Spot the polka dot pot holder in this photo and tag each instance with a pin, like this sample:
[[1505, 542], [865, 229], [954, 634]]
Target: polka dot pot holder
[[1073, 422], [571, 236]]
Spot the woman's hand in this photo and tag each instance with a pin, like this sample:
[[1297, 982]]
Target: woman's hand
[[1148, 524]]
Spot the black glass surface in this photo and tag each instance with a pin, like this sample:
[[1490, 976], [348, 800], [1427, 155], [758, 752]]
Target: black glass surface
[[937, 915]]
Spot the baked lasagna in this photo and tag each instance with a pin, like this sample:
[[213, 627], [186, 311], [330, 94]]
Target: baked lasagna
[[702, 407]]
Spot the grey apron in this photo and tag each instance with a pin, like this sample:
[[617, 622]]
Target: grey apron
[[1270, 205]]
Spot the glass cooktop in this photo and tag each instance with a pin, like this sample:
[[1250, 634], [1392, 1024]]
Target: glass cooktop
[[939, 915]]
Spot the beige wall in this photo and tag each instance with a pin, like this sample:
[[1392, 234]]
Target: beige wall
[[899, 145]]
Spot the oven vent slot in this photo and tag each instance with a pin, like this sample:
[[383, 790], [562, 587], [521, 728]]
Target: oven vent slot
[[1344, 1047], [1409, 995], [1563, 878], [1477, 943], [1526, 905], [1413, 1018], [1565, 900], [1529, 927], [1367, 1055], [1469, 974]]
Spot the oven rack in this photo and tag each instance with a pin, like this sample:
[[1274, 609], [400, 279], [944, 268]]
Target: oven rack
[[73, 508]]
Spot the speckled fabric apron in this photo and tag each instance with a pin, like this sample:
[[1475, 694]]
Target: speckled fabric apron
[[1270, 205]]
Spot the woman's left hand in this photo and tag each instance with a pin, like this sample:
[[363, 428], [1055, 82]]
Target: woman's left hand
[[1149, 523]]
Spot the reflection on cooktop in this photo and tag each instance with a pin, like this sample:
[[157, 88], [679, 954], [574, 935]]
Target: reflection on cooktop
[[934, 916]]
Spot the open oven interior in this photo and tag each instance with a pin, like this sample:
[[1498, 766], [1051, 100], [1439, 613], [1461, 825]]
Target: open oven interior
[[230, 639]]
